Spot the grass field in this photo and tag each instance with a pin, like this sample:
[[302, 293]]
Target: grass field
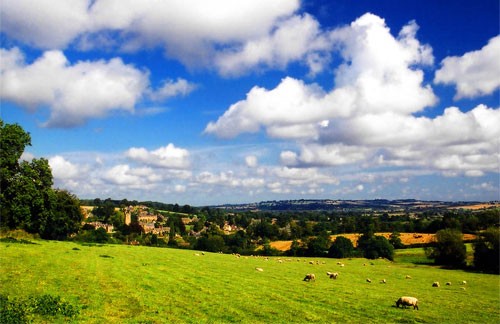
[[134, 284]]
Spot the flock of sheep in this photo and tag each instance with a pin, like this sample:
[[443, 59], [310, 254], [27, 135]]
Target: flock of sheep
[[404, 301]]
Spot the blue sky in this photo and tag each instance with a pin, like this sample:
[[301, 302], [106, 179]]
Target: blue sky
[[210, 102]]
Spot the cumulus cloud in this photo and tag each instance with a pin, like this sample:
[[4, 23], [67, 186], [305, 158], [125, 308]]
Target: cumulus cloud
[[296, 38], [73, 92], [171, 88], [191, 31], [378, 75], [164, 157], [46, 24], [369, 118], [62, 169], [475, 73]]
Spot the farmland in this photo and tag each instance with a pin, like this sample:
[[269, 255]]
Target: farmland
[[136, 284]]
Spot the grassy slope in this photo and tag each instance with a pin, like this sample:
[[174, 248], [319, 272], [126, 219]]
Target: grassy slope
[[141, 284]]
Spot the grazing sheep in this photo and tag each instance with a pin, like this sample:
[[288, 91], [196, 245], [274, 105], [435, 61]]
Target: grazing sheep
[[407, 301], [368, 280], [259, 269], [383, 281], [334, 275], [311, 262], [464, 282], [408, 277], [309, 277], [448, 283], [435, 284]]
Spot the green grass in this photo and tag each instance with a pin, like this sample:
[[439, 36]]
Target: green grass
[[134, 284]]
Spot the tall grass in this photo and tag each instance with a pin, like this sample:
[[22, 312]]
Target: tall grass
[[134, 284]]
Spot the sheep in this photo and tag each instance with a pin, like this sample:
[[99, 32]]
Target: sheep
[[368, 280], [408, 277], [383, 281], [333, 275], [435, 284], [464, 282], [448, 283], [259, 269], [309, 277], [407, 301]]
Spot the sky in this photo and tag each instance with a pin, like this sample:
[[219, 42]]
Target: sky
[[220, 101]]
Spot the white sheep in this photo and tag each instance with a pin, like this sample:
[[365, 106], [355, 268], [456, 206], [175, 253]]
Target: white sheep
[[259, 269], [309, 277], [407, 301], [368, 280], [435, 284], [333, 275], [408, 277], [448, 283], [464, 282], [383, 281]]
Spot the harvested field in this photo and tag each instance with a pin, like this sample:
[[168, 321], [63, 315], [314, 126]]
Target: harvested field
[[406, 238], [478, 206]]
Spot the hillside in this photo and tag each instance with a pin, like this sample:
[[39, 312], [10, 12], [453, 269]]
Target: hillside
[[135, 284], [356, 205]]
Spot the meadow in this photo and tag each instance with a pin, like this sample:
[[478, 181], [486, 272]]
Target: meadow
[[136, 284]]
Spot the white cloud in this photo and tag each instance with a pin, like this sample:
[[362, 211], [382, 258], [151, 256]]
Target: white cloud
[[46, 24], [378, 76], [124, 175], [73, 92], [171, 88], [251, 161], [164, 157], [294, 39], [191, 31], [475, 73], [62, 168]]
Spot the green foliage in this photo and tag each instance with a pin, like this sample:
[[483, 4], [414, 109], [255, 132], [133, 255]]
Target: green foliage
[[19, 310], [28, 200], [395, 240], [449, 249], [487, 251], [374, 247], [341, 248]]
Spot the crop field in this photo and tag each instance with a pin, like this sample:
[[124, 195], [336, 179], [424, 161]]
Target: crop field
[[135, 284]]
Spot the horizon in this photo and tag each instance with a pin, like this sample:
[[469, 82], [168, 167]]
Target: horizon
[[222, 102]]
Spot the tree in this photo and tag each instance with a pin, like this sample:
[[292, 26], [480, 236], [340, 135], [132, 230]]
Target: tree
[[449, 248], [374, 247], [341, 248], [27, 199], [487, 251], [395, 240], [65, 218]]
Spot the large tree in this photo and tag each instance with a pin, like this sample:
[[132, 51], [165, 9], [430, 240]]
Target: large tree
[[27, 199], [487, 251], [448, 249]]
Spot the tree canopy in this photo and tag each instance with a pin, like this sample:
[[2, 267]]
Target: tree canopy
[[28, 200]]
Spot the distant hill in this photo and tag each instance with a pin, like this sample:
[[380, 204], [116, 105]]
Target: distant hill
[[354, 205]]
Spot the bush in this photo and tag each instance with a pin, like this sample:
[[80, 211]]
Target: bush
[[449, 249]]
